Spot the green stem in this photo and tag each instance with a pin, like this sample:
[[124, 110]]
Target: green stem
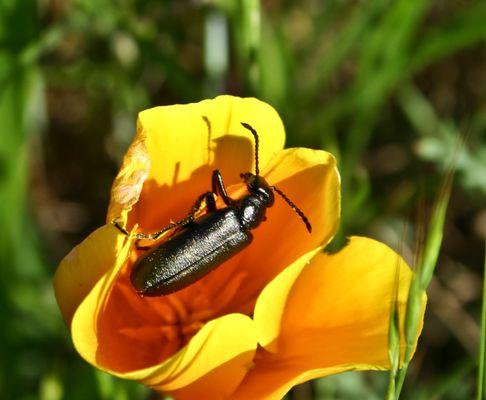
[[482, 346], [402, 373], [401, 379], [251, 19]]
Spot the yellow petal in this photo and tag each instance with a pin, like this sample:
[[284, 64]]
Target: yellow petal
[[83, 267], [221, 351], [311, 180], [175, 152], [211, 366], [335, 318], [271, 303]]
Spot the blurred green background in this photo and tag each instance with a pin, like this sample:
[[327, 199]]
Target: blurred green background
[[390, 87]]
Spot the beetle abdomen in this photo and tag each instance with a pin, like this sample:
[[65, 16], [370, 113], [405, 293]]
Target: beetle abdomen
[[191, 253]]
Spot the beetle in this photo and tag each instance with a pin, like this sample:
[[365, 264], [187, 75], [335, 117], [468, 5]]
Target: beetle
[[200, 244]]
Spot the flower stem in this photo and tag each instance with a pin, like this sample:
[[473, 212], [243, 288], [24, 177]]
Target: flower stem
[[425, 269], [482, 346]]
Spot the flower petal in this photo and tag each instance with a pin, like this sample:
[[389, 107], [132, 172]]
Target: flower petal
[[211, 366], [177, 148], [335, 319], [271, 304], [83, 267], [222, 350], [311, 180]]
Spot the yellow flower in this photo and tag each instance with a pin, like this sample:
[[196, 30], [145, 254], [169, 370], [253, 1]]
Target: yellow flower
[[279, 313]]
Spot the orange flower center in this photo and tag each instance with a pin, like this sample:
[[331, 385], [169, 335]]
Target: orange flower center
[[136, 332]]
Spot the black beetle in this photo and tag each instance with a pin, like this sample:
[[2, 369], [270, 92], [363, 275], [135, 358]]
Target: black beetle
[[204, 243]]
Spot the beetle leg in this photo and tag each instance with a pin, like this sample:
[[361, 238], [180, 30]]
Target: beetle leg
[[219, 188], [140, 247], [208, 197], [210, 206], [156, 235]]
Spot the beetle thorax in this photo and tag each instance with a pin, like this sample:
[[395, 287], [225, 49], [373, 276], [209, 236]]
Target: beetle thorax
[[253, 206], [252, 211]]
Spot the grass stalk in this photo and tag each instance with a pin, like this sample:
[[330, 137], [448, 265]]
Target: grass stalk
[[482, 346], [394, 338], [423, 275], [251, 32]]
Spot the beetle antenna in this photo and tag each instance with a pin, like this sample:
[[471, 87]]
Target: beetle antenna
[[257, 144], [294, 207]]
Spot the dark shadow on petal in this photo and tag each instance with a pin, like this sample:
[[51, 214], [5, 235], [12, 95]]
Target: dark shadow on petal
[[160, 204]]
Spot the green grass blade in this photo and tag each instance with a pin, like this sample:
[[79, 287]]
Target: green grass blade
[[394, 338], [251, 35], [435, 234], [423, 275], [464, 29], [482, 347]]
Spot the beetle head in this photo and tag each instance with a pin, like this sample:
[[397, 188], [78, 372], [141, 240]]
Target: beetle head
[[259, 186]]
